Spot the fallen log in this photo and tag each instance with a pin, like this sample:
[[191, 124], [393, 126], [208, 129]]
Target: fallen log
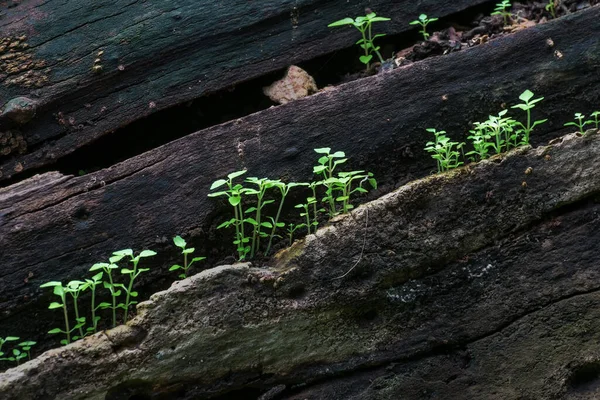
[[94, 67], [444, 271], [54, 227]]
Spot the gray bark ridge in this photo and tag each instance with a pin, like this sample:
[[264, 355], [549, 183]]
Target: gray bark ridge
[[298, 321], [95, 66]]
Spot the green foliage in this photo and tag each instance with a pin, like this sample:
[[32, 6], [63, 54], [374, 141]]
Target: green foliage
[[596, 120], [293, 228], [284, 189], [579, 122], [113, 289], [2, 341], [502, 9], [444, 151], [181, 243], [551, 7], [73, 288], [92, 284], [423, 21], [364, 26], [528, 103], [132, 273], [338, 189], [234, 194]]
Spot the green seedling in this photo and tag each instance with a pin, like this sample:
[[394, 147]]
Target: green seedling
[[107, 268], [62, 291], [344, 185], [596, 120], [284, 189], [444, 151], [502, 9], [263, 184], [579, 122], [293, 228], [480, 140], [551, 7], [327, 164], [74, 288], [92, 284], [364, 26], [501, 131], [26, 348], [423, 21], [133, 274], [528, 103], [305, 207], [234, 194], [4, 340], [181, 243]]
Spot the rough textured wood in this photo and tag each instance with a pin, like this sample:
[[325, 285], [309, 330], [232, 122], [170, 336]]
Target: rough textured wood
[[72, 222], [156, 54], [484, 292]]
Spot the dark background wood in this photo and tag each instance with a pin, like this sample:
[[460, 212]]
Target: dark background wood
[[161, 53]]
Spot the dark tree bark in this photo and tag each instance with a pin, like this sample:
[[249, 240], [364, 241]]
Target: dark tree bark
[[95, 66], [54, 227]]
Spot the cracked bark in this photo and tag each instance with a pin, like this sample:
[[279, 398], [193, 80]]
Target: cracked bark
[[172, 53], [48, 222], [500, 302]]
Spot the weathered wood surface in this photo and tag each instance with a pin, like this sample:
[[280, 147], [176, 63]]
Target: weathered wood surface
[[157, 54], [55, 227], [458, 294]]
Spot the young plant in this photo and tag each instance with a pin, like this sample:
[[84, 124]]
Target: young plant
[[479, 138], [579, 122], [4, 340], [107, 268], [444, 151], [596, 120], [551, 7], [423, 21], [263, 184], [61, 291], [133, 274], [501, 130], [26, 348], [502, 9], [305, 207], [344, 185], [92, 284], [74, 288], [364, 26], [528, 103], [234, 194], [181, 243], [284, 188], [293, 228], [327, 164]]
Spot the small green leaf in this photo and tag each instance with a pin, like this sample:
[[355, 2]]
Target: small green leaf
[[126, 271], [218, 183], [51, 284], [55, 330], [341, 22], [147, 253], [54, 305], [234, 175], [235, 200], [125, 252], [179, 242]]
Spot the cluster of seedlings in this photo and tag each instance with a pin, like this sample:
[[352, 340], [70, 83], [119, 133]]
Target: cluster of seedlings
[[250, 201], [498, 134], [364, 24], [251, 220]]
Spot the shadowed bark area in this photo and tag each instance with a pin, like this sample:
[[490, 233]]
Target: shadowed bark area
[[54, 227], [95, 66], [470, 285]]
